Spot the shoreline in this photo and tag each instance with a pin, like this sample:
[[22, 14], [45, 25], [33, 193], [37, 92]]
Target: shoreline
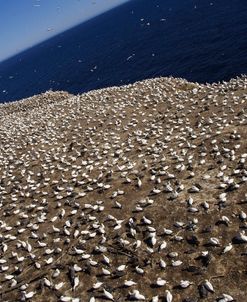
[[180, 81]]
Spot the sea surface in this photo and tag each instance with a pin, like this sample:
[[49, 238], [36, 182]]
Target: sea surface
[[199, 40]]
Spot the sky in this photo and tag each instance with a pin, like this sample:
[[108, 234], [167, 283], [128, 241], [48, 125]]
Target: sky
[[24, 23]]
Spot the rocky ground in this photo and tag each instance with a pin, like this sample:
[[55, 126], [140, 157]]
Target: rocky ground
[[127, 193]]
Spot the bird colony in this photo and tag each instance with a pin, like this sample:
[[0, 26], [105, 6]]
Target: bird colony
[[133, 193]]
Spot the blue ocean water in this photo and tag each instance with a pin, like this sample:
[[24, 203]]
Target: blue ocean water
[[200, 40]]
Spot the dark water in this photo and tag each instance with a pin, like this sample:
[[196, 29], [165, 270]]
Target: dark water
[[202, 41]]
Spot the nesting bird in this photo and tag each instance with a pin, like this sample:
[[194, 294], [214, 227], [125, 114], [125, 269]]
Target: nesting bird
[[125, 193]]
